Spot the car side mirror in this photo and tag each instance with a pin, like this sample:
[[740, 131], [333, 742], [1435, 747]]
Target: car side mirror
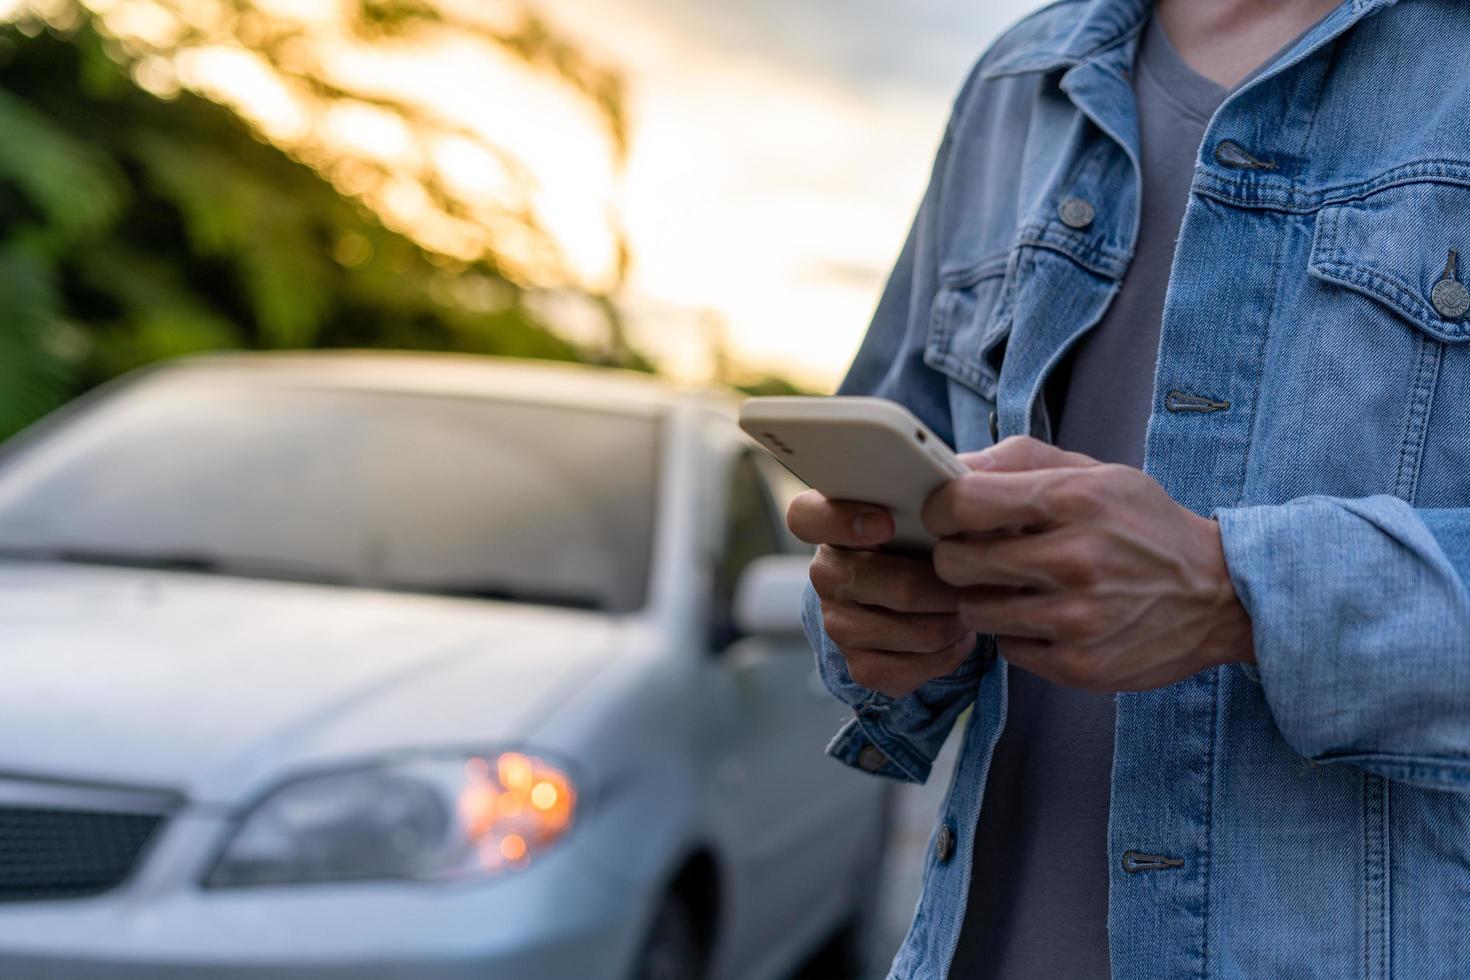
[[768, 597]]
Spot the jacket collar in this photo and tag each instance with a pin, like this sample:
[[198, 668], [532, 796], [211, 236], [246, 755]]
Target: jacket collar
[[1104, 24]]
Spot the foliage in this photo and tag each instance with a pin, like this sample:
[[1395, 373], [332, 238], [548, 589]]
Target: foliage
[[293, 55], [134, 228], [770, 385]]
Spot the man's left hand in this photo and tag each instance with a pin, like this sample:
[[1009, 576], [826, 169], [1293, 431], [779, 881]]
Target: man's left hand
[[1089, 574]]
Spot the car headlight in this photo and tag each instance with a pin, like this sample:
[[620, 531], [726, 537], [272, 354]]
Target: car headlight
[[439, 817]]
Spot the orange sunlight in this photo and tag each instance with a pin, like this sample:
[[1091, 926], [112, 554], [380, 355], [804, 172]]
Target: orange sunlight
[[762, 202]]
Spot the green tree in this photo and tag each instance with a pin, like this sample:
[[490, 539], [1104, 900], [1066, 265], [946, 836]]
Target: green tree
[[134, 227]]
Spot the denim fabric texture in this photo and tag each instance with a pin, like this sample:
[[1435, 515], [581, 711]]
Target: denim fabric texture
[[1311, 394]]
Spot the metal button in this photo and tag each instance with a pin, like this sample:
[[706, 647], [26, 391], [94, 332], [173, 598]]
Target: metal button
[[872, 759], [944, 844], [1450, 297], [1076, 213]]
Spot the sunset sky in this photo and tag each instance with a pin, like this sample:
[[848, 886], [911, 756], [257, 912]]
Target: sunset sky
[[779, 151]]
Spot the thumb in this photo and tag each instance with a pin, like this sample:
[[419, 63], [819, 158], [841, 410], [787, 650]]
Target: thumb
[[1020, 453]]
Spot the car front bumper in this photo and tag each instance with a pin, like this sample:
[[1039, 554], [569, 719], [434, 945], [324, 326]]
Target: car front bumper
[[563, 917]]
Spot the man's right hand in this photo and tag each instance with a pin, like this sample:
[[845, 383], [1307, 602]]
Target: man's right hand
[[892, 618]]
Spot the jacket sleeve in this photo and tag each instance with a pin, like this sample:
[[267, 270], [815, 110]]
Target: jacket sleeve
[[894, 737], [1361, 621], [899, 738]]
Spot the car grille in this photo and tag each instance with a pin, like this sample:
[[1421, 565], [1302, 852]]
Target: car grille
[[51, 852]]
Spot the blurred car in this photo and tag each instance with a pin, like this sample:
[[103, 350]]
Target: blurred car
[[360, 665]]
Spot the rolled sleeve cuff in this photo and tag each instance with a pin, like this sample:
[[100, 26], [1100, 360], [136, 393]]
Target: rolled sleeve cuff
[[893, 737], [1359, 621]]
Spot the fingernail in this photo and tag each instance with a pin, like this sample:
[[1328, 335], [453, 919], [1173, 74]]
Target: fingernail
[[868, 527]]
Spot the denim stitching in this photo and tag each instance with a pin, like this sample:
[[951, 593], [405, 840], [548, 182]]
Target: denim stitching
[[884, 746], [1374, 814], [1405, 445], [1258, 357], [1250, 188], [1411, 452], [1329, 219], [1395, 293], [1205, 852], [971, 275], [1096, 259], [939, 352], [1334, 267], [1365, 925], [1432, 773], [936, 346], [1093, 244], [1022, 64], [1385, 921], [1033, 397], [1387, 881], [973, 817]]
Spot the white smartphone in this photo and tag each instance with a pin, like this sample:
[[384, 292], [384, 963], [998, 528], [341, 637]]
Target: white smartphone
[[869, 450]]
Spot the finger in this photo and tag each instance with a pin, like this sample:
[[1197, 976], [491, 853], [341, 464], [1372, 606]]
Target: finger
[[816, 520], [1008, 612], [900, 674], [1006, 561], [981, 502], [1050, 560], [872, 578], [1019, 453], [863, 627]]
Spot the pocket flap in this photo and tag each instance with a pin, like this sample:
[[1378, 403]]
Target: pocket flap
[[1394, 247], [968, 327]]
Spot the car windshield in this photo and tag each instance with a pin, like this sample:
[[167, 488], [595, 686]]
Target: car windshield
[[441, 494]]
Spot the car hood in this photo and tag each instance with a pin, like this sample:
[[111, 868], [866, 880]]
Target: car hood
[[214, 686]]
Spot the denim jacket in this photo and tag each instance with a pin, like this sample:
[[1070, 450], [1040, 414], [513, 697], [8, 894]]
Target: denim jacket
[[1310, 816]]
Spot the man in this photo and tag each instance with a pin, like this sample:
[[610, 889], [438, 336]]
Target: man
[[1222, 554]]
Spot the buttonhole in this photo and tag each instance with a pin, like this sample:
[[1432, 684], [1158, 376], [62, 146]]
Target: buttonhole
[[1137, 861], [1178, 401], [1231, 154]]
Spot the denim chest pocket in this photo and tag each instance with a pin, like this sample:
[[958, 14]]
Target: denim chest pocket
[[1390, 337], [968, 325], [1407, 247]]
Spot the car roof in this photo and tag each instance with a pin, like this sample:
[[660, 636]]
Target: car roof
[[460, 375]]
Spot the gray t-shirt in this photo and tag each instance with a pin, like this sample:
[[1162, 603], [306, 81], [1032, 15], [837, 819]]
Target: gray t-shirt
[[1039, 887]]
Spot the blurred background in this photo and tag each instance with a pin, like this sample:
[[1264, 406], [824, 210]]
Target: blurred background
[[706, 192], [713, 190]]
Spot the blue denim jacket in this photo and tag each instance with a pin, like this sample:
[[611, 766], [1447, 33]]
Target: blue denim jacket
[[1313, 393]]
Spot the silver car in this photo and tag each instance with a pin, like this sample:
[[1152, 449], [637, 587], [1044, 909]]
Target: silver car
[[356, 665]]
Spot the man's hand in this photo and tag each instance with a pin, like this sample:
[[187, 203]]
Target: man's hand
[[895, 622], [1089, 574]]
